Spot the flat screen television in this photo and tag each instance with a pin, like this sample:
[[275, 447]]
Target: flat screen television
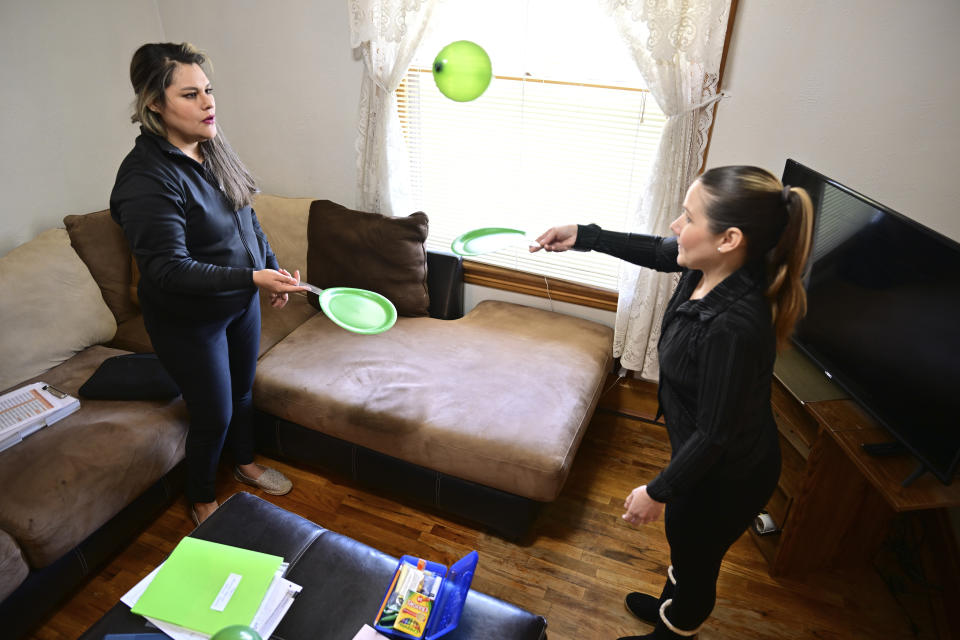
[[883, 317]]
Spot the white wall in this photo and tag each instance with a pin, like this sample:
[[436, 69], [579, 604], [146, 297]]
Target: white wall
[[287, 87], [64, 106], [863, 91]]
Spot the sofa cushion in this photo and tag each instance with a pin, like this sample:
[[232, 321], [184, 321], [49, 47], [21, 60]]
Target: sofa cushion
[[394, 260], [13, 567], [51, 309], [500, 397], [284, 220], [130, 376], [65, 481], [100, 243], [132, 336], [276, 324]]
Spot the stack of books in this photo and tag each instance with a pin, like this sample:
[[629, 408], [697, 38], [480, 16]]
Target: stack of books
[[205, 586], [25, 410]]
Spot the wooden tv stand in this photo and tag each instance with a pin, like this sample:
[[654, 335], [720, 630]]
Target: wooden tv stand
[[834, 501]]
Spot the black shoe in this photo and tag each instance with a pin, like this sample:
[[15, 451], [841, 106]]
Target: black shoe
[[663, 629], [643, 606], [647, 607]]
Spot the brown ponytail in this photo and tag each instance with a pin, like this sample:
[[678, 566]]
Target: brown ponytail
[[786, 264], [777, 222]]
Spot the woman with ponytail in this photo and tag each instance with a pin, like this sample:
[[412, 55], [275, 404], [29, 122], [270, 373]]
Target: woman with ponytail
[[182, 197], [741, 245]]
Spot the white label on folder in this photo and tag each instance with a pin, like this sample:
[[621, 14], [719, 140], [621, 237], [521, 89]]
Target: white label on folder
[[226, 592]]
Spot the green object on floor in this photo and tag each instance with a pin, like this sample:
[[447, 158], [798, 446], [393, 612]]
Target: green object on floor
[[237, 632]]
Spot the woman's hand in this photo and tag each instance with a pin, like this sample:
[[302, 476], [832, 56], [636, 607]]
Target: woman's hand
[[278, 284], [557, 238], [641, 508]]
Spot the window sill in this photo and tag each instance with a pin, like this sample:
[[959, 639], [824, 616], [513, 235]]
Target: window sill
[[530, 284]]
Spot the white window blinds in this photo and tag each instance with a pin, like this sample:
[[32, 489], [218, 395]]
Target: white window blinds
[[567, 144]]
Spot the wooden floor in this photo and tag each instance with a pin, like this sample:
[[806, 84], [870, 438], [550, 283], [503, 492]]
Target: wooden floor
[[579, 560]]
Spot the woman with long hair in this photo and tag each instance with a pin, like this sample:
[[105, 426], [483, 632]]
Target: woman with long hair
[[182, 197], [741, 245]]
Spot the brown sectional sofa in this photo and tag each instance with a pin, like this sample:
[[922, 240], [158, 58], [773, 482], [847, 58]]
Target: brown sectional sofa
[[75, 491], [479, 415]]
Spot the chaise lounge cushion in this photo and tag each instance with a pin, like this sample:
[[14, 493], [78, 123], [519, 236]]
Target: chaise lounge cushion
[[64, 481], [51, 309], [444, 394], [394, 260]]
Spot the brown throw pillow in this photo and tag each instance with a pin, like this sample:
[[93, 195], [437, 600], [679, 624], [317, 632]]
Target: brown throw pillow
[[100, 243], [347, 248]]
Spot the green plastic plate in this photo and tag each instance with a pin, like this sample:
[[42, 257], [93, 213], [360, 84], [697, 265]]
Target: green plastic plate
[[487, 240], [358, 310]]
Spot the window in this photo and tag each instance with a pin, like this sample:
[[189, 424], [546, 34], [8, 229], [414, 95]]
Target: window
[[565, 132]]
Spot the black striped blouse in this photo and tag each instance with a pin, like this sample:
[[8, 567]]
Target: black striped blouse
[[716, 358]]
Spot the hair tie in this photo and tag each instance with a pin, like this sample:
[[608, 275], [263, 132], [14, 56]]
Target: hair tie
[[785, 194]]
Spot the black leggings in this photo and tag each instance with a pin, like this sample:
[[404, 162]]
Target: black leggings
[[212, 358], [701, 527]]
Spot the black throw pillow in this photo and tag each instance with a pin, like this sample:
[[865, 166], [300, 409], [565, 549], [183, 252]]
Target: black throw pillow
[[132, 376]]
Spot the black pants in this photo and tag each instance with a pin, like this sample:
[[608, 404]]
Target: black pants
[[702, 526], [212, 356]]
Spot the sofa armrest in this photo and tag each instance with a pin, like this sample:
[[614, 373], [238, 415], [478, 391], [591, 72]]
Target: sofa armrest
[[445, 285]]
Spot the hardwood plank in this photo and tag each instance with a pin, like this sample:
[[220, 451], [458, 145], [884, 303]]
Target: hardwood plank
[[578, 562]]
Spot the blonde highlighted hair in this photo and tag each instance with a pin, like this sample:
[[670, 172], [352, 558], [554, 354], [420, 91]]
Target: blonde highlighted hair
[[151, 72], [777, 222]]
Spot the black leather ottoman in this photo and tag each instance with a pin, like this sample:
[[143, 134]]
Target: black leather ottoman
[[342, 579]]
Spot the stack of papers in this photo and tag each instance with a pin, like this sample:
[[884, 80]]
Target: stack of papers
[[27, 409], [205, 586]]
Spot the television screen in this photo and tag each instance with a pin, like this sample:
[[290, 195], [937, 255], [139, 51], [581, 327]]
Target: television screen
[[883, 317]]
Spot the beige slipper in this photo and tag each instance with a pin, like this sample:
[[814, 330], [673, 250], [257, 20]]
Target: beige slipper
[[271, 481]]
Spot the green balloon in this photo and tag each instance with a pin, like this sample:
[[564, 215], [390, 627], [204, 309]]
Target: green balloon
[[236, 632], [462, 71]]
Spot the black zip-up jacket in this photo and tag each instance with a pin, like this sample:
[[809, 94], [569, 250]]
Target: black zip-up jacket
[[189, 243], [716, 358]]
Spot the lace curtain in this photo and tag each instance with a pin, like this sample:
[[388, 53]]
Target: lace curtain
[[387, 33], [677, 45]]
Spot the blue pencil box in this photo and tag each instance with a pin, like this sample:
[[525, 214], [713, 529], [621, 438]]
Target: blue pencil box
[[444, 615]]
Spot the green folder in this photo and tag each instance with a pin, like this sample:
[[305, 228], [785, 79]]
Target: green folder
[[200, 575]]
